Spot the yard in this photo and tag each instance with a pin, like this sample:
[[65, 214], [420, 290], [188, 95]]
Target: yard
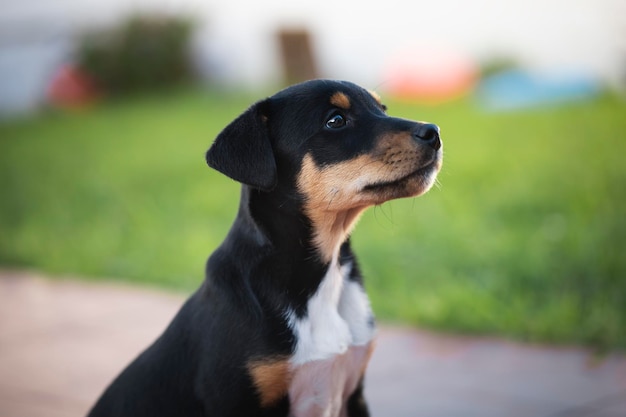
[[524, 236]]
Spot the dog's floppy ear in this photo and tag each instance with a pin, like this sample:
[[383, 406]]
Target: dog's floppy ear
[[243, 150]]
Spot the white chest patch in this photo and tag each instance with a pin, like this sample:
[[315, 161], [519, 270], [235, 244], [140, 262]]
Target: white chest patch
[[338, 316], [333, 345]]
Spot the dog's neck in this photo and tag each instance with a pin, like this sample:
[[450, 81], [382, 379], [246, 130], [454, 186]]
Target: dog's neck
[[331, 229], [291, 228], [278, 238]]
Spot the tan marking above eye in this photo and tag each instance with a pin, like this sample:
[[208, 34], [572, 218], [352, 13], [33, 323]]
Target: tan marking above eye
[[378, 99], [376, 96], [340, 100], [271, 378]]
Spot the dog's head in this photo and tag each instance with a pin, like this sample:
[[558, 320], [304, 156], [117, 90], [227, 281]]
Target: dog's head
[[334, 145]]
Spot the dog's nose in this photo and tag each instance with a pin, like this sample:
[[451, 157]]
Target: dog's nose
[[428, 133]]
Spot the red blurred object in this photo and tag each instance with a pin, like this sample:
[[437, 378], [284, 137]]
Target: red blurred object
[[430, 75], [72, 88]]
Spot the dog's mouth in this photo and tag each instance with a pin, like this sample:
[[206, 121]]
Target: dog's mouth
[[421, 174]]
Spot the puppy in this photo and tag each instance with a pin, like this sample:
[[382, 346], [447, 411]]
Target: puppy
[[281, 325]]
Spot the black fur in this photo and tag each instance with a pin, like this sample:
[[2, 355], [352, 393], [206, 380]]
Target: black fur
[[248, 138]]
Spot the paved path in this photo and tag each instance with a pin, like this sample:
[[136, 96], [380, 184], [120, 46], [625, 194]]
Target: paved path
[[61, 342]]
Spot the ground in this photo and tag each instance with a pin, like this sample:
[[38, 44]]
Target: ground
[[63, 340]]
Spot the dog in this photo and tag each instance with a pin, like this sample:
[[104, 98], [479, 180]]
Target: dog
[[281, 325]]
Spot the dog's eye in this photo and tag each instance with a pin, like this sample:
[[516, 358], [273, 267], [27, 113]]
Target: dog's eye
[[336, 121]]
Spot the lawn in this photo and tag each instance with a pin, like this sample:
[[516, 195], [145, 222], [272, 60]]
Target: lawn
[[524, 236]]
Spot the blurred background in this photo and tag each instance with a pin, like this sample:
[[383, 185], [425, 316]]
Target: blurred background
[[107, 108], [242, 44]]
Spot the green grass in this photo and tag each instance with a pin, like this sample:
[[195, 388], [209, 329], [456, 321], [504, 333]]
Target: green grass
[[524, 236]]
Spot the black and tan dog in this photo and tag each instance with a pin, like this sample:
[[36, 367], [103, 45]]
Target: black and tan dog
[[281, 325]]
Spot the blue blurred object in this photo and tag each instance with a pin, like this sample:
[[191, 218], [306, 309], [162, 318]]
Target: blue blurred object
[[517, 89]]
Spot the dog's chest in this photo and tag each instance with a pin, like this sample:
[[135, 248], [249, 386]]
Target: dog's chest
[[333, 346]]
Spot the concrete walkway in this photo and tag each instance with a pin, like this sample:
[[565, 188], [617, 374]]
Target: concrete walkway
[[61, 342]]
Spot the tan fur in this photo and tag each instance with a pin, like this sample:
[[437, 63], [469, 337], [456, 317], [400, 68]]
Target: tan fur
[[271, 377], [340, 100], [376, 96], [330, 206], [336, 194]]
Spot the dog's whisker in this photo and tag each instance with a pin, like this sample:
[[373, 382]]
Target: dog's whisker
[[332, 197], [438, 184], [390, 215]]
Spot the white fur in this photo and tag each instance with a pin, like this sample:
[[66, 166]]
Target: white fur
[[354, 308], [338, 317], [332, 344]]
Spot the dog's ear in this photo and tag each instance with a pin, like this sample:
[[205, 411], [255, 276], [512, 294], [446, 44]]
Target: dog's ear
[[243, 150]]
